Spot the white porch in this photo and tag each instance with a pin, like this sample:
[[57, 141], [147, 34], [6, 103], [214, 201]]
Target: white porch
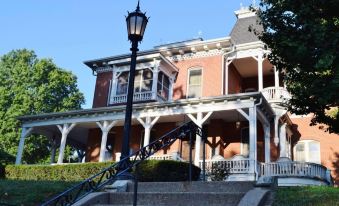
[[287, 172]]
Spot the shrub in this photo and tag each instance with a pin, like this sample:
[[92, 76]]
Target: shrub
[[219, 172], [165, 171]]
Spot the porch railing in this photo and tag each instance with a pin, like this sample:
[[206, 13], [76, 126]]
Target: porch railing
[[233, 166], [296, 169], [276, 94], [138, 96]]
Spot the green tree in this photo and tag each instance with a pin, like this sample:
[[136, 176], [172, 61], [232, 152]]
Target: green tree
[[29, 85], [304, 39]]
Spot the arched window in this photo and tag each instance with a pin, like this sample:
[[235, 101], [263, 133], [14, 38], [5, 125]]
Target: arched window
[[307, 151], [194, 88]]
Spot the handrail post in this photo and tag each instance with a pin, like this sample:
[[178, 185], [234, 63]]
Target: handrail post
[[190, 158], [204, 154]]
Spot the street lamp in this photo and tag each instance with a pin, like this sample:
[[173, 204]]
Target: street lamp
[[136, 24]]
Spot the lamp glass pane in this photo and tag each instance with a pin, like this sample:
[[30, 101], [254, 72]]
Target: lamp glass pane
[[138, 27], [132, 25]]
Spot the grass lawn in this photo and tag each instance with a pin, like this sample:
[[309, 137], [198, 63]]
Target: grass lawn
[[20, 192], [300, 196]]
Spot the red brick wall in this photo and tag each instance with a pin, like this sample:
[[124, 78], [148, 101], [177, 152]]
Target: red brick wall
[[101, 89], [328, 143], [212, 75], [234, 80]]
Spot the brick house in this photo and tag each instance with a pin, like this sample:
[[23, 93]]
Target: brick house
[[225, 85]]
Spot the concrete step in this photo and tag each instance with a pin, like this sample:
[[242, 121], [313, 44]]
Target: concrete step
[[177, 198], [165, 187]]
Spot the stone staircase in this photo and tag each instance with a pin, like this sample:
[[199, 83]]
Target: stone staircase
[[173, 194]]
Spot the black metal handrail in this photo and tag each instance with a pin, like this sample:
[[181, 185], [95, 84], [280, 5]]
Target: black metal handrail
[[111, 173]]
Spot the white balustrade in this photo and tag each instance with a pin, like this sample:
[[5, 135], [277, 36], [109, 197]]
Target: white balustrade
[[173, 156], [233, 166], [276, 94], [294, 169], [138, 96]]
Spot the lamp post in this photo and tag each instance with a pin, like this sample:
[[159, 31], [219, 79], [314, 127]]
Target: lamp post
[[136, 24]]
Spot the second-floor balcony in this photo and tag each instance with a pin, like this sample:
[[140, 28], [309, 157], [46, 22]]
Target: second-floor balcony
[[138, 97], [276, 94]]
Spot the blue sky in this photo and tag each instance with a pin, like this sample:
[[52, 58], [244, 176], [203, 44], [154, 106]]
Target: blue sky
[[72, 31]]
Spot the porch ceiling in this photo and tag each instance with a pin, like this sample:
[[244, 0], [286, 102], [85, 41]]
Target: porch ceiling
[[248, 67]]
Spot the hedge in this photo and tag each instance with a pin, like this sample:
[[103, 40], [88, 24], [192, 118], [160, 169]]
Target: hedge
[[165, 171], [65, 172], [151, 170]]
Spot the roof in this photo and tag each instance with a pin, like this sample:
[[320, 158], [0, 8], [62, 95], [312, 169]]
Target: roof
[[240, 33]]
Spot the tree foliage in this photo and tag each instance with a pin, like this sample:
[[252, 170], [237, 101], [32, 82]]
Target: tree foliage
[[304, 39], [29, 85]]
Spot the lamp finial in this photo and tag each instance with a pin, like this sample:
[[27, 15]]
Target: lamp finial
[[138, 6]]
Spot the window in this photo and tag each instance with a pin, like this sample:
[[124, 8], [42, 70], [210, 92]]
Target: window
[[142, 82], [122, 83], [163, 85], [194, 83], [307, 151]]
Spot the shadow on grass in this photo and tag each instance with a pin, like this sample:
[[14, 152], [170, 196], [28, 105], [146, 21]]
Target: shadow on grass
[[28, 192], [300, 196]]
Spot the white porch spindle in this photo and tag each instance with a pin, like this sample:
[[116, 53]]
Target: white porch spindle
[[267, 143], [24, 133], [282, 142], [148, 123], [64, 129], [105, 127], [199, 121]]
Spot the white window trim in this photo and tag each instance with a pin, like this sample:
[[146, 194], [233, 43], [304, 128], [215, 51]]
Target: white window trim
[[307, 154], [188, 79]]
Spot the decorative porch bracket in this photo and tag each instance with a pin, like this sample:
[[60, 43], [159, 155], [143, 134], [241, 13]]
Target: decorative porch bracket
[[148, 123], [64, 129], [24, 133], [105, 127], [199, 120]]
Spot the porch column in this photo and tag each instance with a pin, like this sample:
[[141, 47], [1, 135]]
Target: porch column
[[276, 129], [260, 72], [199, 120], [276, 77], [64, 129], [148, 124], [228, 62], [252, 137], [267, 143], [105, 127], [282, 142], [155, 72], [24, 133]]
